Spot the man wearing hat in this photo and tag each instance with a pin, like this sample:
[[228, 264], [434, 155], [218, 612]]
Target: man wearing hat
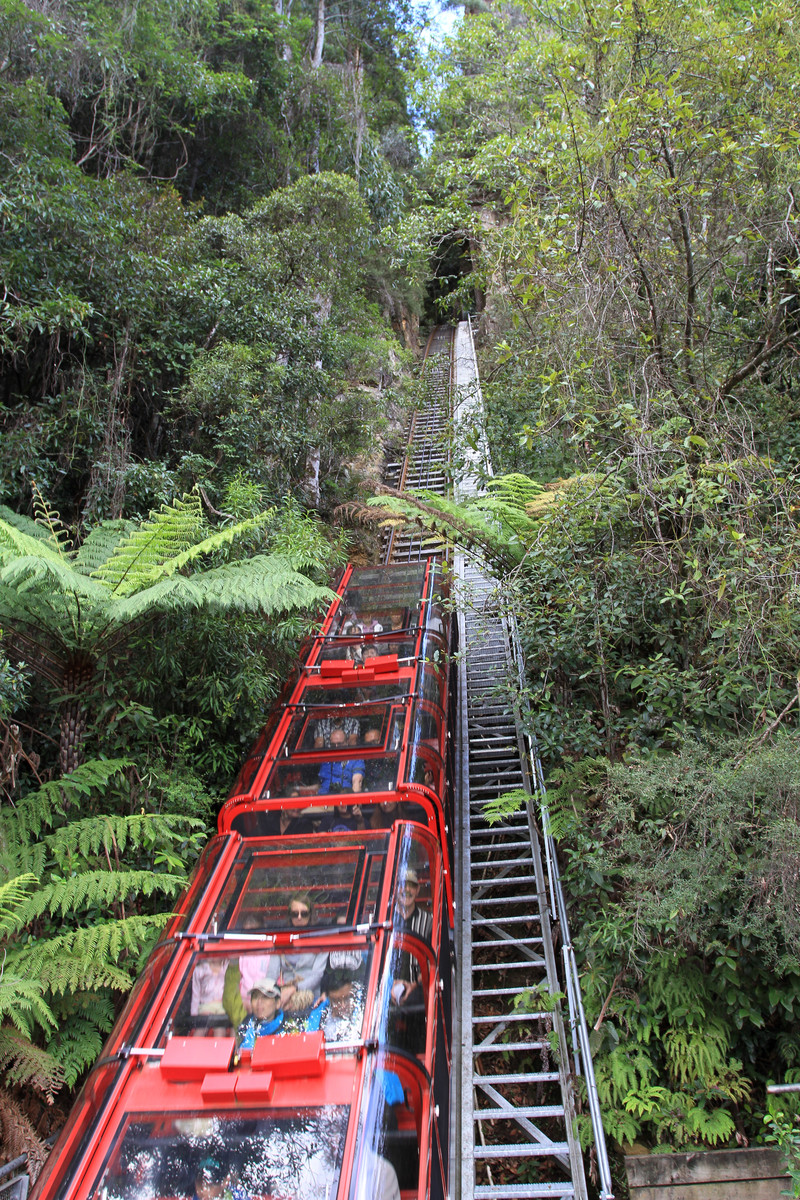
[[266, 1016], [410, 918]]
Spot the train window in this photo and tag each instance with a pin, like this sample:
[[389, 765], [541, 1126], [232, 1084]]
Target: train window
[[434, 683], [254, 760], [406, 996], [321, 988], [387, 1161], [425, 767], [364, 725], [328, 776], [260, 1154], [201, 878], [265, 885]]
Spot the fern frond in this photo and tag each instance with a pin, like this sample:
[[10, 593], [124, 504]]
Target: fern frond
[[25, 1063], [46, 573], [174, 528], [17, 539], [100, 888], [215, 541], [14, 894], [77, 1045], [502, 807], [50, 520], [139, 831], [19, 1136], [515, 489], [84, 959], [40, 809], [262, 584], [98, 546], [21, 999]]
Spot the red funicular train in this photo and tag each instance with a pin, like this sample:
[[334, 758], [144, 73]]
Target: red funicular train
[[290, 1037]]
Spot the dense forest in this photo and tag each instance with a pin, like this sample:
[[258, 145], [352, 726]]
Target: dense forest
[[222, 225]]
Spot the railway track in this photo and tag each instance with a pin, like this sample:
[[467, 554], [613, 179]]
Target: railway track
[[521, 1048]]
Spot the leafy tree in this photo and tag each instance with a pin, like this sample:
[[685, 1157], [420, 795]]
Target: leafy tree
[[691, 959], [70, 609]]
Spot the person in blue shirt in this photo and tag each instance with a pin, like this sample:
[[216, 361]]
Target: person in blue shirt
[[341, 775], [266, 1017]]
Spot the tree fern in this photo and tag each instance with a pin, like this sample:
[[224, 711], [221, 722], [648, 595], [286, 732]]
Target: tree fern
[[24, 1063], [60, 965], [165, 533], [77, 1044], [14, 895], [88, 958], [65, 612], [95, 888], [111, 833], [41, 809], [98, 545]]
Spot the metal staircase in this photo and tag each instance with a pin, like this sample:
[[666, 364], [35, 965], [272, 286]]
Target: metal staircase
[[515, 1112], [514, 1079], [426, 460], [515, 1076]]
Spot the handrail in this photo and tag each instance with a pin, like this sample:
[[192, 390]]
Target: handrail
[[577, 1015]]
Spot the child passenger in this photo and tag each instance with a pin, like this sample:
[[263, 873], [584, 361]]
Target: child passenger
[[266, 1016]]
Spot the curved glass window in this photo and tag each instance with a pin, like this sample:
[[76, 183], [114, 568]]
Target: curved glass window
[[366, 726], [305, 990], [406, 997], [202, 876], [261, 1153], [425, 767], [255, 758], [392, 1148], [339, 885]]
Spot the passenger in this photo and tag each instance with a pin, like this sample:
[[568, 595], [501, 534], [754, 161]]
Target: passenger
[[286, 822], [210, 1181], [347, 818], [384, 815], [396, 620], [324, 727], [266, 1016], [409, 917], [208, 985], [377, 1178], [379, 773], [301, 974], [243, 974], [339, 1014], [342, 775]]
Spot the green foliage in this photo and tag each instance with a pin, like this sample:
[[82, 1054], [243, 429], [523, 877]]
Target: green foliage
[[72, 611], [77, 912], [679, 869]]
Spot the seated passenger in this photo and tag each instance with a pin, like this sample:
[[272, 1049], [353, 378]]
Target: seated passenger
[[208, 983], [342, 775], [347, 818], [210, 1181], [324, 727], [408, 916], [286, 822], [301, 974], [384, 815], [339, 1014], [266, 1016]]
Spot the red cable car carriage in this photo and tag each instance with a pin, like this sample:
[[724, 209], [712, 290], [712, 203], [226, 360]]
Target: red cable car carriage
[[290, 1038]]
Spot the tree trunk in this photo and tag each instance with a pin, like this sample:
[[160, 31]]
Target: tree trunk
[[319, 40], [73, 714]]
